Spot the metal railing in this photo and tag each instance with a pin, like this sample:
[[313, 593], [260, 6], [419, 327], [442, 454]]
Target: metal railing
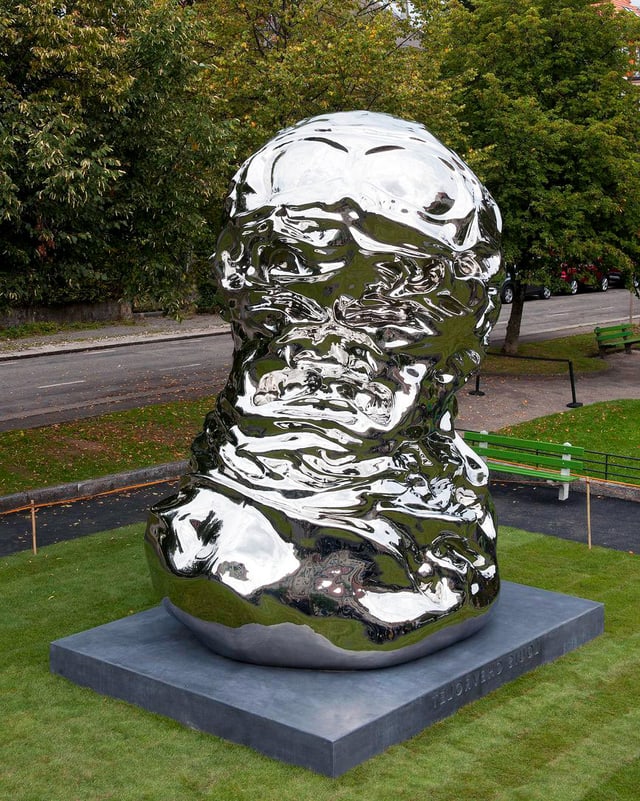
[[574, 404], [612, 467]]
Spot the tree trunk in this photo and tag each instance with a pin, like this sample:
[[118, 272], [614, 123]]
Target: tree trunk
[[510, 345]]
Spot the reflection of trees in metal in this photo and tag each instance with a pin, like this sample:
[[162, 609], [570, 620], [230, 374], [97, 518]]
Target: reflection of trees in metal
[[329, 488]]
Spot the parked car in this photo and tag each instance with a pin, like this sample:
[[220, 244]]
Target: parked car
[[507, 289], [589, 276], [617, 277]]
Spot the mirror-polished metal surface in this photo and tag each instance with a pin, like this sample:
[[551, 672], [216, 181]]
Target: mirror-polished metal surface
[[333, 517]]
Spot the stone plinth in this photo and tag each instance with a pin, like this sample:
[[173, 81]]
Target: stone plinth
[[328, 721]]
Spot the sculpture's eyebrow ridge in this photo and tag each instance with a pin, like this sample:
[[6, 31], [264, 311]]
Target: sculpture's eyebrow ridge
[[322, 139], [383, 149]]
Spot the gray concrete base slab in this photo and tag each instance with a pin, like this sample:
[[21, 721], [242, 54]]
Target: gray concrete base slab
[[328, 721]]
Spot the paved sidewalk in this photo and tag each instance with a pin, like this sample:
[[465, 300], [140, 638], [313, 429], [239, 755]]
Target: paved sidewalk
[[143, 328], [509, 400]]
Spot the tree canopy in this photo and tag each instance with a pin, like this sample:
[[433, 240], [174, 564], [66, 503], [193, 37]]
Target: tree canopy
[[552, 126], [106, 150], [272, 63], [121, 128]]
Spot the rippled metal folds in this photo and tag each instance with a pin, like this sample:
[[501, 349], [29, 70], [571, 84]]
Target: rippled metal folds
[[332, 516]]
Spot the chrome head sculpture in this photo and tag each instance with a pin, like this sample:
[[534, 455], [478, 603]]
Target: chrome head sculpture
[[333, 518]]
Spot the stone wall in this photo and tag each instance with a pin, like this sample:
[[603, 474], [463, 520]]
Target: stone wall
[[71, 313]]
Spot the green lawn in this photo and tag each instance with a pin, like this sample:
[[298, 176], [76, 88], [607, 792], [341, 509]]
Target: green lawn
[[120, 441], [162, 433], [24, 330], [580, 349], [14, 333], [569, 731], [99, 446], [611, 427]]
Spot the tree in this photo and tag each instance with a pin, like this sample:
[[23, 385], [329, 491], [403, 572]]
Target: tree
[[553, 128], [274, 62], [108, 152]]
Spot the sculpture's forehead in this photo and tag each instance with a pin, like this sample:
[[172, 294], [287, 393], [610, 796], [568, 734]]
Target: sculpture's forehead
[[379, 163]]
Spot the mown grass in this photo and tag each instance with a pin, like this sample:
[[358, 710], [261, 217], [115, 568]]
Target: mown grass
[[97, 446], [120, 441], [127, 440], [44, 328], [609, 426], [569, 731]]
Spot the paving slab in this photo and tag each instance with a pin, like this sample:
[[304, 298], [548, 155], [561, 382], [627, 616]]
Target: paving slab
[[327, 721]]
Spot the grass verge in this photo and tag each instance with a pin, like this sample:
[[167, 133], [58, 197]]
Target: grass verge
[[569, 731], [608, 427], [581, 350], [44, 328], [98, 446], [122, 441]]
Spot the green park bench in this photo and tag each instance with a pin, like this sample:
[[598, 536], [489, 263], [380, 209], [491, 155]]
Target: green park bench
[[616, 336], [544, 460]]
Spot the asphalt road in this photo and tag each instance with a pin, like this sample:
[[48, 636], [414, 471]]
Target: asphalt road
[[58, 387], [67, 386], [565, 315]]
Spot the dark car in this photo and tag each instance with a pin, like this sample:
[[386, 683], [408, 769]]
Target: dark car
[[507, 289]]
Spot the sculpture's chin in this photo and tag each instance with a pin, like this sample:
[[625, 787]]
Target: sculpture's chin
[[331, 599]]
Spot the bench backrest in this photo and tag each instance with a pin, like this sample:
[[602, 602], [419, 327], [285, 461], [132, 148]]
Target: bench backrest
[[604, 333], [526, 451]]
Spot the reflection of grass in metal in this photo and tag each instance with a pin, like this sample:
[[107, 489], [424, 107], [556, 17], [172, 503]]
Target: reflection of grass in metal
[[566, 731], [581, 350]]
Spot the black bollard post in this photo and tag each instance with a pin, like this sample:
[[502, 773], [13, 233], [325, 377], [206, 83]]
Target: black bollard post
[[477, 390], [574, 403]]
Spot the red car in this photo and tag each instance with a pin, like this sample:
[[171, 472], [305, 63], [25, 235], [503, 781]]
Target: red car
[[585, 276]]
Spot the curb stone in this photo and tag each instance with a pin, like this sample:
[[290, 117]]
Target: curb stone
[[94, 486]]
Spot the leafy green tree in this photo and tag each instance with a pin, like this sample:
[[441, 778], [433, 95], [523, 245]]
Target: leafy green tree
[[553, 127], [274, 62], [109, 156]]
